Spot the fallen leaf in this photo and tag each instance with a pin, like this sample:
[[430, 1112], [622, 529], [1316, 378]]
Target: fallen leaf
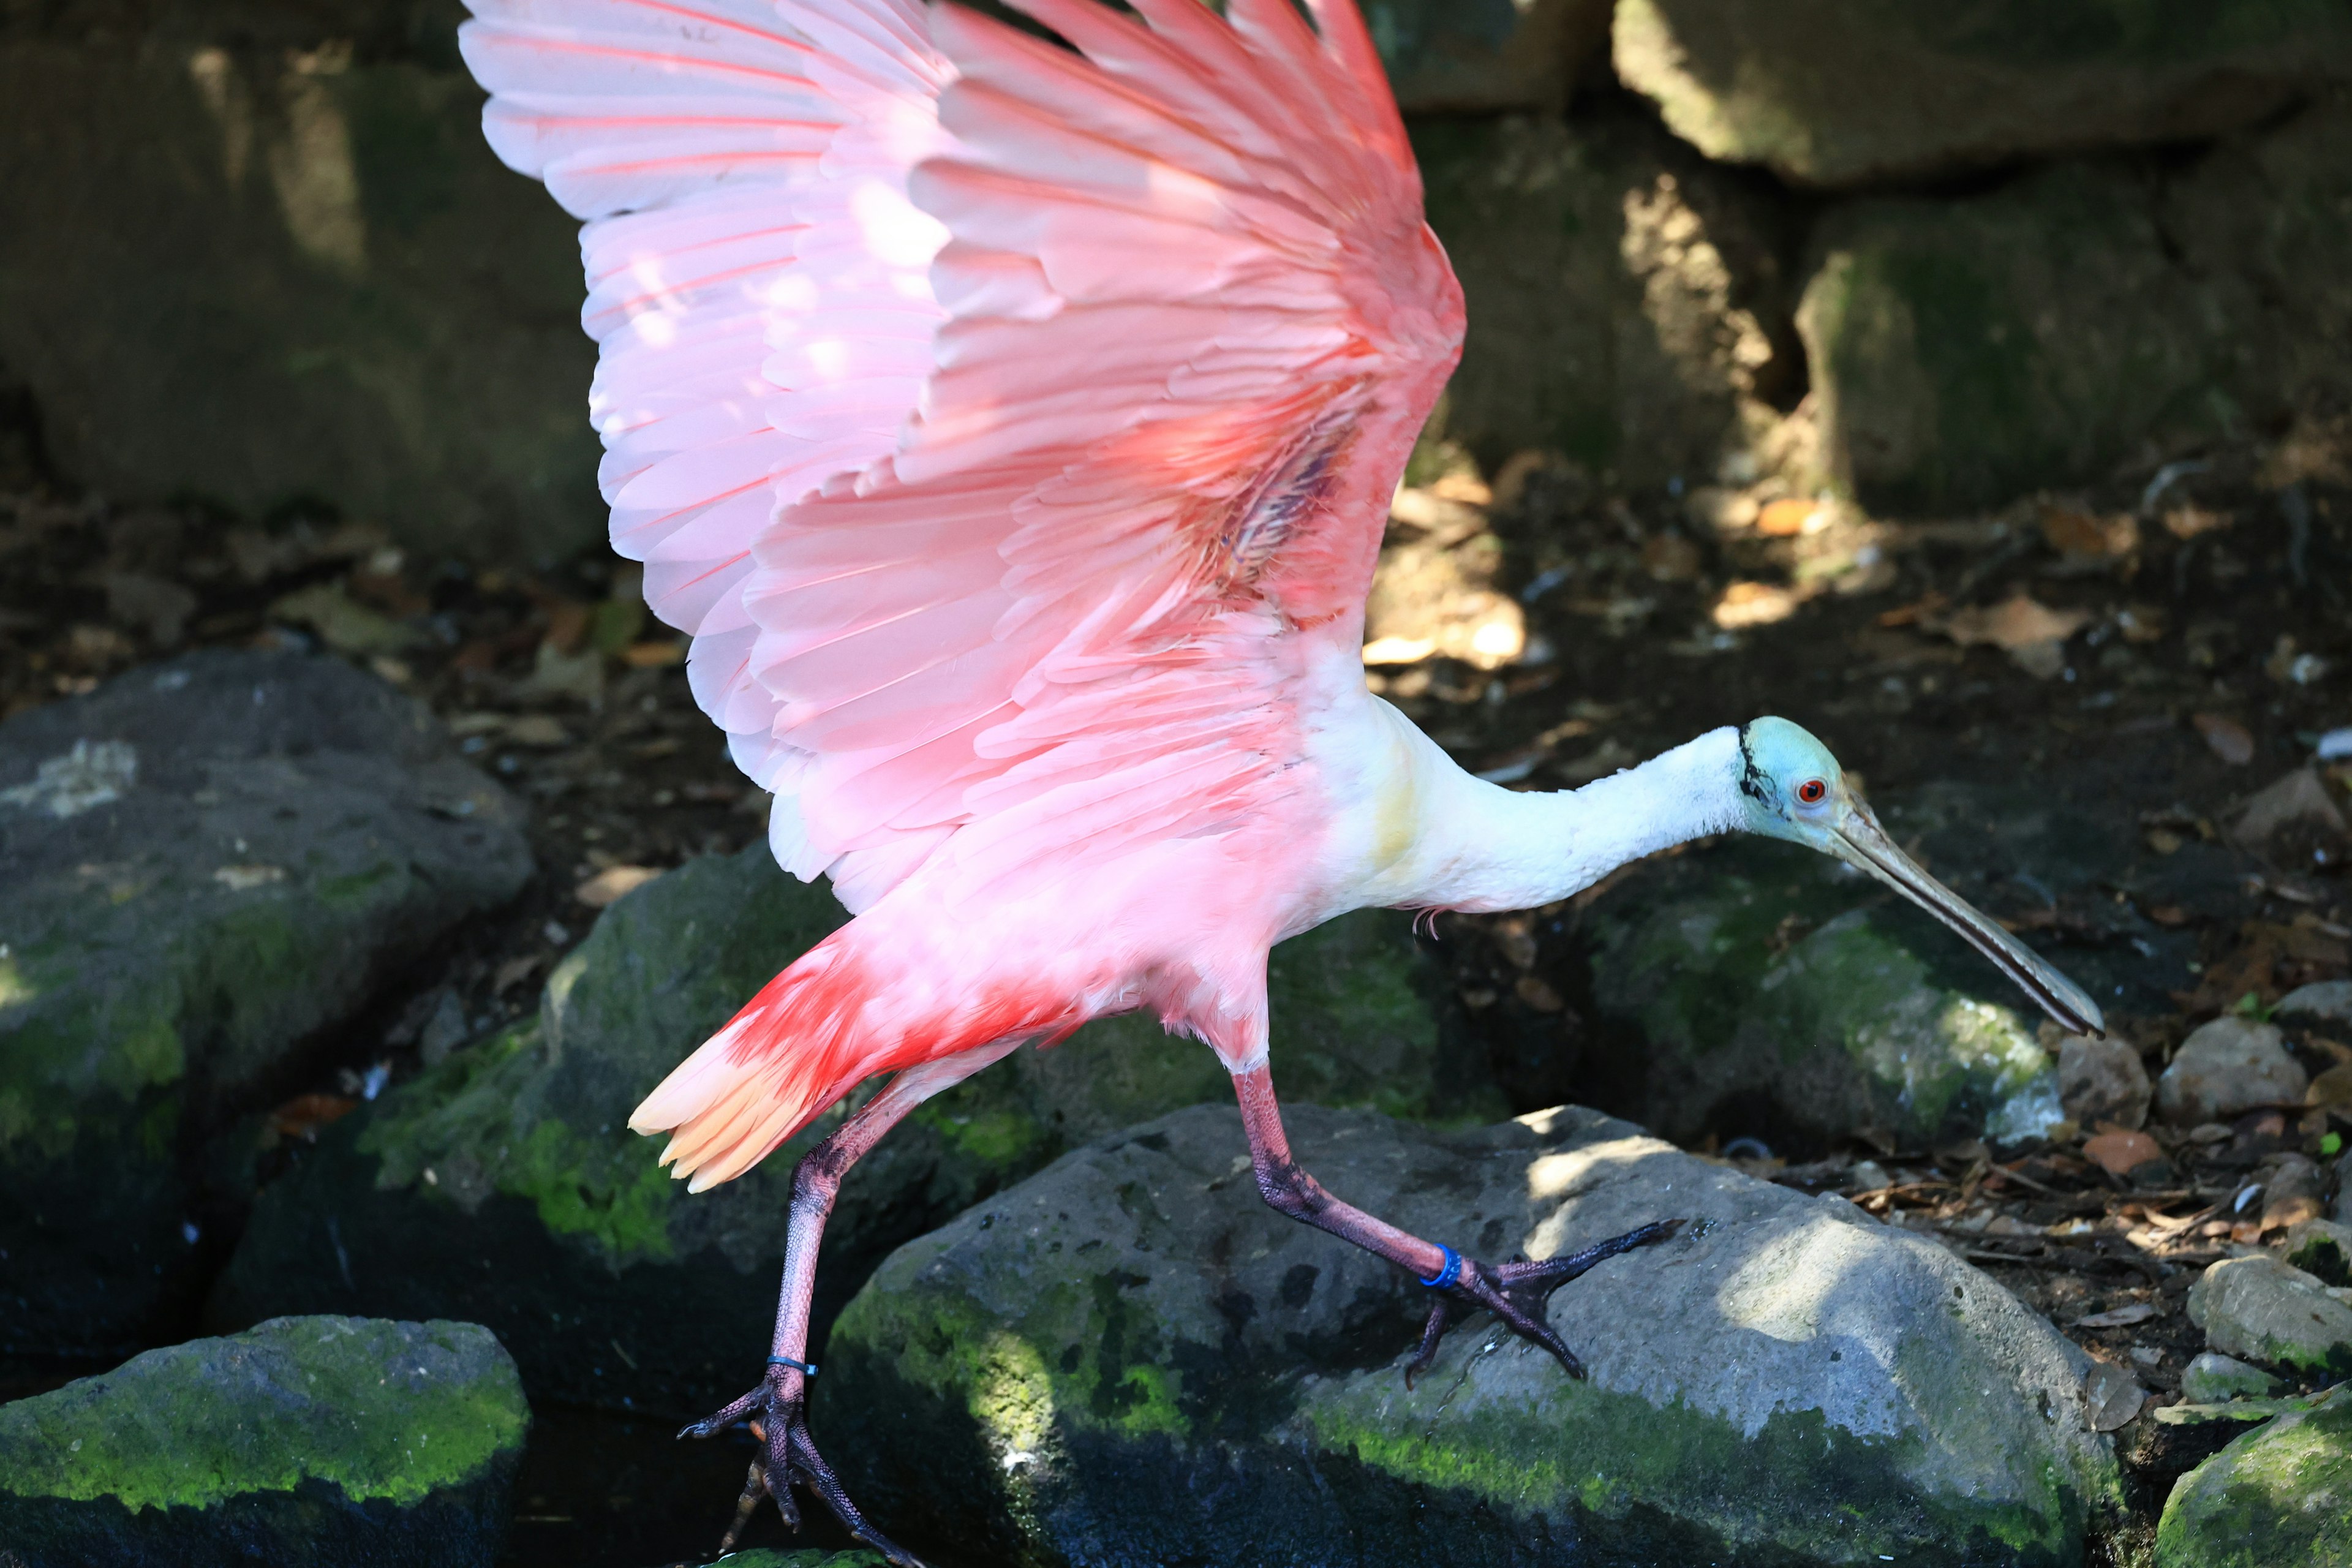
[[2084, 535], [1537, 994], [1754, 605], [302, 1116], [1792, 515], [2227, 737], [2331, 1087], [609, 884], [514, 972], [653, 655], [537, 729], [2018, 622], [2118, 1317], [2121, 1151], [2111, 1397]]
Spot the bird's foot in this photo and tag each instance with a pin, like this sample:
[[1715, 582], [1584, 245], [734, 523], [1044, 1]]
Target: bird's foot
[[1518, 1292], [776, 1414]]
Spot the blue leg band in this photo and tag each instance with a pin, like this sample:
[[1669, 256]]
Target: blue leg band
[[807, 1369], [1446, 1276]]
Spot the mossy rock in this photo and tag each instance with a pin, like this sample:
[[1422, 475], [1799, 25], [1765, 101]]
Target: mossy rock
[[1753, 987], [331, 1442], [1628, 302], [505, 1184], [208, 862], [1129, 1358], [2279, 1497], [2265, 1310], [1846, 92], [364, 306]]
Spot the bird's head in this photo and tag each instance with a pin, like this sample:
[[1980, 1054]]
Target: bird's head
[[1791, 787]]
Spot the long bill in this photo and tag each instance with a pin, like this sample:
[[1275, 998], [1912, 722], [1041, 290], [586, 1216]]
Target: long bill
[[1859, 842]]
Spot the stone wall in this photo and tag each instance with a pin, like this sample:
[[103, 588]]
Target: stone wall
[[256, 252]]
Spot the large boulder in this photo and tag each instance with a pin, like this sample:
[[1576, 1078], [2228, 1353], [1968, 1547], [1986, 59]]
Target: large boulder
[[505, 1183], [207, 863], [331, 1442], [1628, 306], [2279, 1497], [1963, 349], [261, 253], [1755, 987], [1452, 56], [1130, 1358], [1845, 92]]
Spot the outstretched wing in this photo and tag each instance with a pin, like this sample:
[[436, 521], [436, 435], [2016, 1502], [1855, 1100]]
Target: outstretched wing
[[1107, 358]]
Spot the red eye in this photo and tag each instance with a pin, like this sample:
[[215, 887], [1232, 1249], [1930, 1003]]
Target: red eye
[[1813, 791]]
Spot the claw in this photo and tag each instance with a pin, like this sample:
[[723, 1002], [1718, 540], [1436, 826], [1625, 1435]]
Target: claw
[[1518, 1293], [788, 1454]]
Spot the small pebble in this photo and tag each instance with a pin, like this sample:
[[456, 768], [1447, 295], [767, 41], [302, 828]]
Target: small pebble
[[2226, 1067]]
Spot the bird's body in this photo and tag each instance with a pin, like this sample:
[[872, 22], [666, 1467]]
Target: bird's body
[[1012, 424]]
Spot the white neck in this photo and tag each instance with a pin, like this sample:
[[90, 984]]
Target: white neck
[[1478, 846]]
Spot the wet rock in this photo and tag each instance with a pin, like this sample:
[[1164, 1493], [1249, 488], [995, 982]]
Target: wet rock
[[207, 861], [341, 1442], [2102, 1081], [505, 1184], [364, 306], [2213, 1377], [2291, 808], [2322, 1249], [1756, 988], [2265, 1310], [1842, 92], [1628, 306], [1129, 1358], [2226, 1067], [2329, 1001], [1448, 57], [2278, 1496]]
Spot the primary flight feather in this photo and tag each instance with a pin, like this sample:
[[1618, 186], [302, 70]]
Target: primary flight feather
[[1012, 423]]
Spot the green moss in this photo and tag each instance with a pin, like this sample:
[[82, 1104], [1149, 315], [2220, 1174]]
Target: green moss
[[2277, 1496], [479, 1117], [381, 1410], [358, 888], [1001, 1137]]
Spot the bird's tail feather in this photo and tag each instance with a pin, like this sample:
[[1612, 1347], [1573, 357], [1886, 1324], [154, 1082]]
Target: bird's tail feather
[[816, 1031]]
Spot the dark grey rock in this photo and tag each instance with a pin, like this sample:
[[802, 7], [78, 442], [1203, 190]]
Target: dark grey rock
[[1449, 56], [2227, 1066], [1628, 302], [208, 862], [1129, 1359], [2102, 1080], [2263, 1309], [1754, 988], [1965, 349], [361, 305], [2278, 1496], [334, 1442], [1843, 93], [2213, 1377], [505, 1183]]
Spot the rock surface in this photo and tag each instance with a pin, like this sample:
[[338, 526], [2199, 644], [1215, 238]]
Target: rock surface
[[2213, 1377], [2278, 1496], [2329, 1001], [2225, 1067], [364, 306], [1130, 1358], [1844, 92], [2265, 1310], [1965, 349], [334, 1442], [505, 1183], [1448, 57], [1628, 306], [2102, 1081], [2322, 1249], [1756, 988], [207, 862]]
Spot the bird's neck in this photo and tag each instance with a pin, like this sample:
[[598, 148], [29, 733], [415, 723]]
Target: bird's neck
[[1484, 847]]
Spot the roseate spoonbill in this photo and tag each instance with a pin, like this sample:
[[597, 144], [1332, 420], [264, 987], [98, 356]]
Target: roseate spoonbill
[[1012, 424]]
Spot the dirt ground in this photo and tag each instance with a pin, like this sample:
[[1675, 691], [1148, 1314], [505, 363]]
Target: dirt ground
[[2161, 646]]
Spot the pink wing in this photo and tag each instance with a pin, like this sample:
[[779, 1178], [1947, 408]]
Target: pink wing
[[1105, 422]]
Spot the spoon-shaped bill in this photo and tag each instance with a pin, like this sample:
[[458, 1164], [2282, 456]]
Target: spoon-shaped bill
[[1862, 843]]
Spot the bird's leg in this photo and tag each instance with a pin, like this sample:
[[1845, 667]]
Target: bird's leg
[[1515, 1293], [776, 1409]]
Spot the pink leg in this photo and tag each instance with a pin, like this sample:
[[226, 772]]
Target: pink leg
[[777, 1408], [1515, 1293]]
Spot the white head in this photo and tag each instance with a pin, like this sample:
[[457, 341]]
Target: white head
[[1790, 787]]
